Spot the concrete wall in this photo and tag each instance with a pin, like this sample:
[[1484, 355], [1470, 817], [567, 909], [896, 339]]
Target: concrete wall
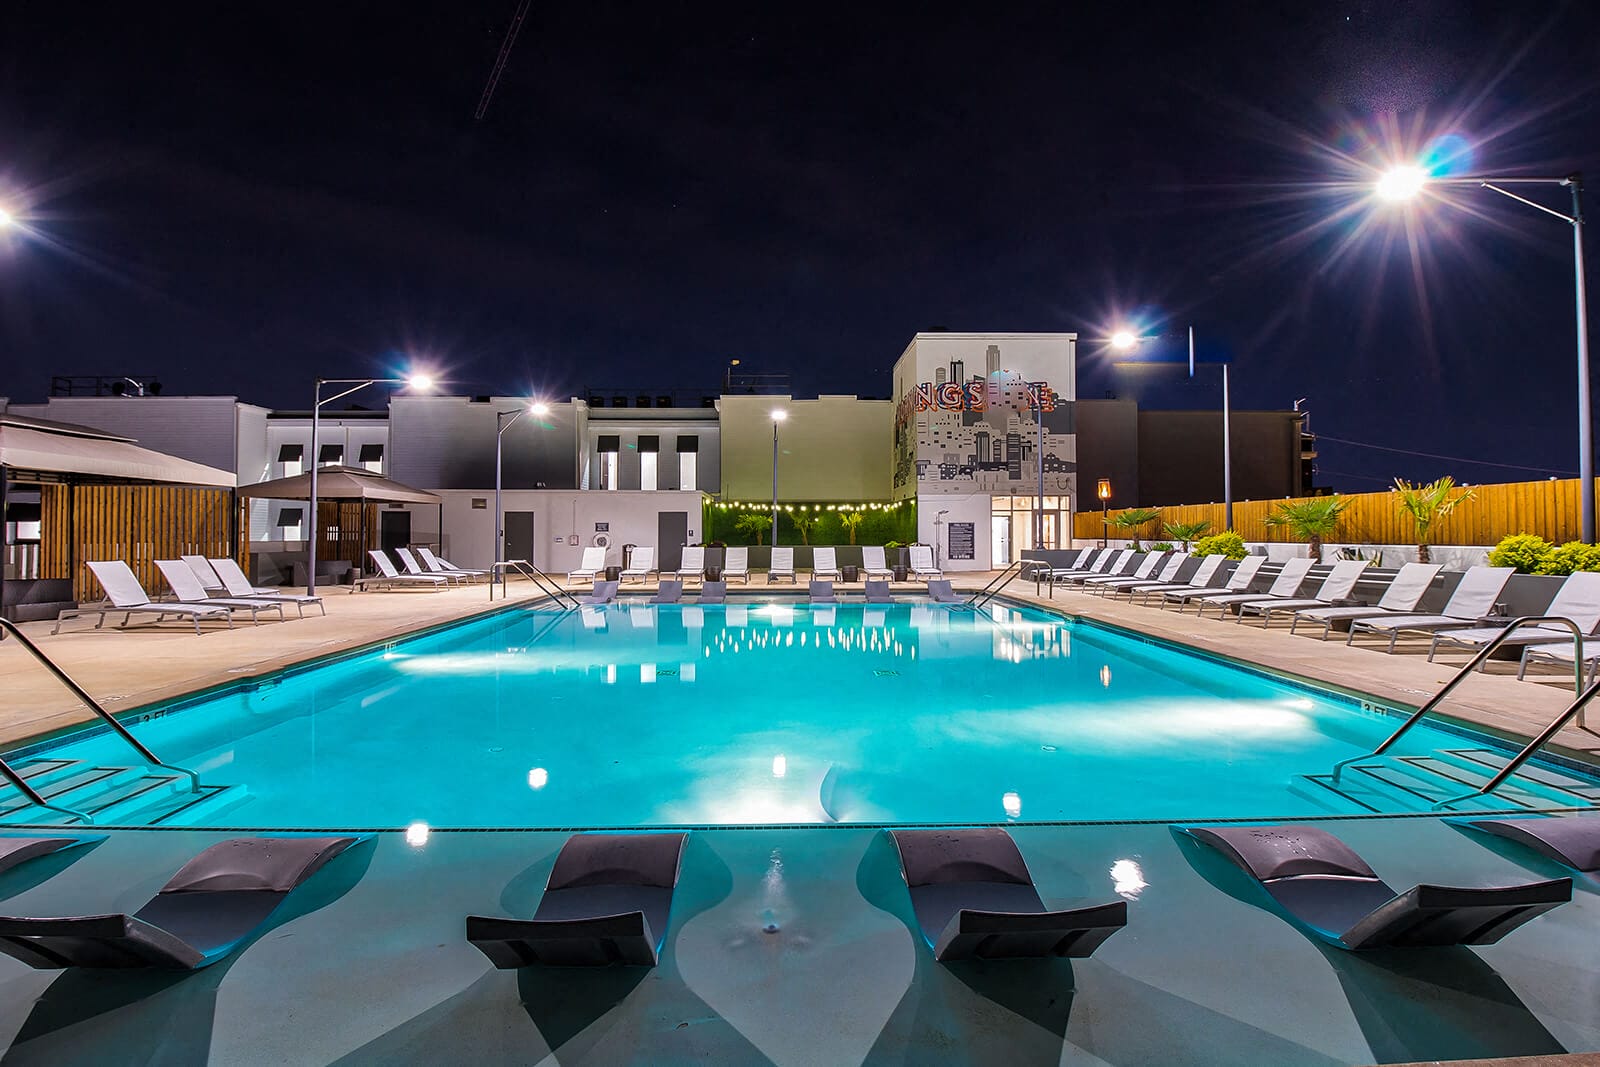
[[468, 535], [667, 425], [1180, 456], [834, 449], [442, 442], [1108, 447], [932, 528], [200, 428]]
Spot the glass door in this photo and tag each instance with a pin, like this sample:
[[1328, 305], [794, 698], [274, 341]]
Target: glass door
[[1000, 540]]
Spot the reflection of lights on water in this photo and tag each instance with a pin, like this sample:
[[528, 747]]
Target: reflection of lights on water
[[647, 673], [1012, 802], [611, 674], [538, 778], [1127, 879], [780, 766], [417, 834], [1105, 675]]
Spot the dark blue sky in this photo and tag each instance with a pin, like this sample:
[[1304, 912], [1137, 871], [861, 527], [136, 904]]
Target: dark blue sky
[[238, 198]]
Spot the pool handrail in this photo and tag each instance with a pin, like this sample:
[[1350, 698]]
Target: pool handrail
[[1472, 665], [999, 582], [7, 626], [1574, 709], [529, 571]]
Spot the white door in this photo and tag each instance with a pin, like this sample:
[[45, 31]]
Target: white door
[[1000, 540]]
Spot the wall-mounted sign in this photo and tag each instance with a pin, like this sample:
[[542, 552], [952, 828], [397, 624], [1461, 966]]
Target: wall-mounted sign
[[602, 527], [962, 545]]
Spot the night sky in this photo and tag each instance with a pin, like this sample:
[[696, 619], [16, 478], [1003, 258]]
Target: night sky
[[237, 198]]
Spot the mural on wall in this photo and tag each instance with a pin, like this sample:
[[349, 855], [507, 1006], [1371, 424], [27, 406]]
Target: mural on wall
[[981, 433]]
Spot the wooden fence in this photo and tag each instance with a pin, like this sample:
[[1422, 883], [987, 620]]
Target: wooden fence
[[138, 524], [1547, 508]]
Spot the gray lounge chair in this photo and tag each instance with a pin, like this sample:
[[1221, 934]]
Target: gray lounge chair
[[822, 592], [974, 899], [388, 576], [1328, 889], [234, 583], [641, 565], [873, 564], [922, 565], [825, 563], [1198, 581], [125, 594], [603, 593], [878, 592], [1244, 573], [433, 564], [1570, 839], [1560, 655], [1115, 587], [1110, 565], [203, 913], [692, 564], [669, 591], [736, 564], [210, 580], [1283, 587], [1405, 592], [782, 565], [939, 589], [17, 850], [416, 570], [1578, 599], [187, 588], [713, 592], [607, 901], [1472, 599], [1141, 573], [1083, 563], [1337, 586]]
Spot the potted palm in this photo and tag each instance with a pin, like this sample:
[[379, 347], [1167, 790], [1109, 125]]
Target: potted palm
[[1310, 520], [1184, 532], [1425, 504], [1133, 520]]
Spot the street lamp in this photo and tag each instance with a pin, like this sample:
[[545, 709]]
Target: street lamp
[[414, 381], [1126, 341], [7, 219], [1103, 491], [1407, 182], [501, 424], [778, 415]]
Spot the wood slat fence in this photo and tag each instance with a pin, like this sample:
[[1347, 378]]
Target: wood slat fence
[[1547, 508], [138, 524]]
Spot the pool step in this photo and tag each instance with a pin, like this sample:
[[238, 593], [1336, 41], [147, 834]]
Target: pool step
[[1577, 789], [113, 796], [1416, 783]]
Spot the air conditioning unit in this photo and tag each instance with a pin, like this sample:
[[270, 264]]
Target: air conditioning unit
[[602, 540]]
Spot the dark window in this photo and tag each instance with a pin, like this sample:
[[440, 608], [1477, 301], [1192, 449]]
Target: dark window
[[688, 442], [291, 453], [619, 401], [290, 516], [663, 401], [371, 453], [610, 443], [330, 454], [641, 401], [649, 443]]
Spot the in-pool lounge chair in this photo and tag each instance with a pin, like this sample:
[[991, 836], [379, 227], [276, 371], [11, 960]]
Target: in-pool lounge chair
[[1200, 579], [822, 592], [234, 583], [607, 901], [187, 588], [1167, 575], [692, 565], [922, 563], [1405, 592], [1337, 586], [1325, 887], [713, 592], [641, 564], [878, 592], [216, 902], [15, 850], [782, 565], [736, 564], [210, 580], [939, 589], [670, 591], [873, 564], [388, 576], [825, 564], [1472, 600], [603, 593], [1570, 839], [1244, 572], [1578, 600], [125, 594], [589, 568], [415, 569], [1142, 573], [433, 564], [1283, 587], [974, 899]]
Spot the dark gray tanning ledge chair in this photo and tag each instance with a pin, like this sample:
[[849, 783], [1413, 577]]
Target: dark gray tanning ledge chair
[[203, 913], [1570, 839], [975, 899], [607, 901], [1327, 888], [15, 851]]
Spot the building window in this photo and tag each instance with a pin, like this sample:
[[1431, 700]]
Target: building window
[[292, 458], [289, 520], [686, 470], [330, 455], [608, 447], [371, 457], [649, 452]]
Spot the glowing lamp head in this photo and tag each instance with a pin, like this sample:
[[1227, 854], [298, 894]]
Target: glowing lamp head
[[420, 382], [1124, 341], [7, 219], [1401, 183], [538, 407], [778, 414], [1103, 490]]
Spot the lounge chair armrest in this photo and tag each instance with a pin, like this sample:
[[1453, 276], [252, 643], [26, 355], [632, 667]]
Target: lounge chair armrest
[[109, 941], [1451, 915], [1000, 935], [592, 942]]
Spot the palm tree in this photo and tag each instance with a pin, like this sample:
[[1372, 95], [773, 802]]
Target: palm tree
[[1186, 531], [1310, 520], [1133, 520], [752, 522], [1427, 503], [850, 520], [804, 523]]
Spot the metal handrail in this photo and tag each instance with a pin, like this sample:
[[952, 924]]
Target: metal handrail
[[89, 702], [1473, 664], [992, 590], [33, 794], [533, 574], [1575, 708]]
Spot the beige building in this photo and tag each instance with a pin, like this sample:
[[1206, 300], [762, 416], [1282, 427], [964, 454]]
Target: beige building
[[834, 449]]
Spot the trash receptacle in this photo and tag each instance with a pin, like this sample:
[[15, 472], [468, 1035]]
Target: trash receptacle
[[627, 556]]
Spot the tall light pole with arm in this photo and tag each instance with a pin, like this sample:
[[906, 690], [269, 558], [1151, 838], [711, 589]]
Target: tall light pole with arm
[[503, 421], [778, 415]]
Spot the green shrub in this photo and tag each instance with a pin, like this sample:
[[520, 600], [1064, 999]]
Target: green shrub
[[1528, 553], [1161, 546], [1572, 556], [1228, 544]]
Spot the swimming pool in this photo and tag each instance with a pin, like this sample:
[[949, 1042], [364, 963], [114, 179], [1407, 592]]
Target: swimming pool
[[638, 715]]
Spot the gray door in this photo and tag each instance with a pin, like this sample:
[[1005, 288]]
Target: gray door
[[394, 530], [672, 530], [519, 535]]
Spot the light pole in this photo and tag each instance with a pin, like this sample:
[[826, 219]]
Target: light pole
[[1127, 341], [778, 415], [415, 381], [1406, 183], [501, 425]]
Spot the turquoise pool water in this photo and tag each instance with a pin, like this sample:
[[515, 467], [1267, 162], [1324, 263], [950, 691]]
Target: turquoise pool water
[[771, 713]]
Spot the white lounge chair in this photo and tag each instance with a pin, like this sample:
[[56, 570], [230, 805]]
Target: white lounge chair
[[1338, 585], [235, 583], [736, 564], [1473, 599], [922, 566], [782, 565], [1115, 587], [1284, 586], [433, 564], [125, 594], [873, 564], [210, 580], [1237, 582], [641, 565], [388, 576], [1083, 562], [413, 568], [693, 564], [1560, 655], [824, 563], [1405, 592], [1147, 566], [1578, 600], [187, 588], [1111, 565], [589, 568], [1200, 579]]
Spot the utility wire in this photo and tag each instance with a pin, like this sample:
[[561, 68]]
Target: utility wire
[[1452, 459], [500, 60]]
